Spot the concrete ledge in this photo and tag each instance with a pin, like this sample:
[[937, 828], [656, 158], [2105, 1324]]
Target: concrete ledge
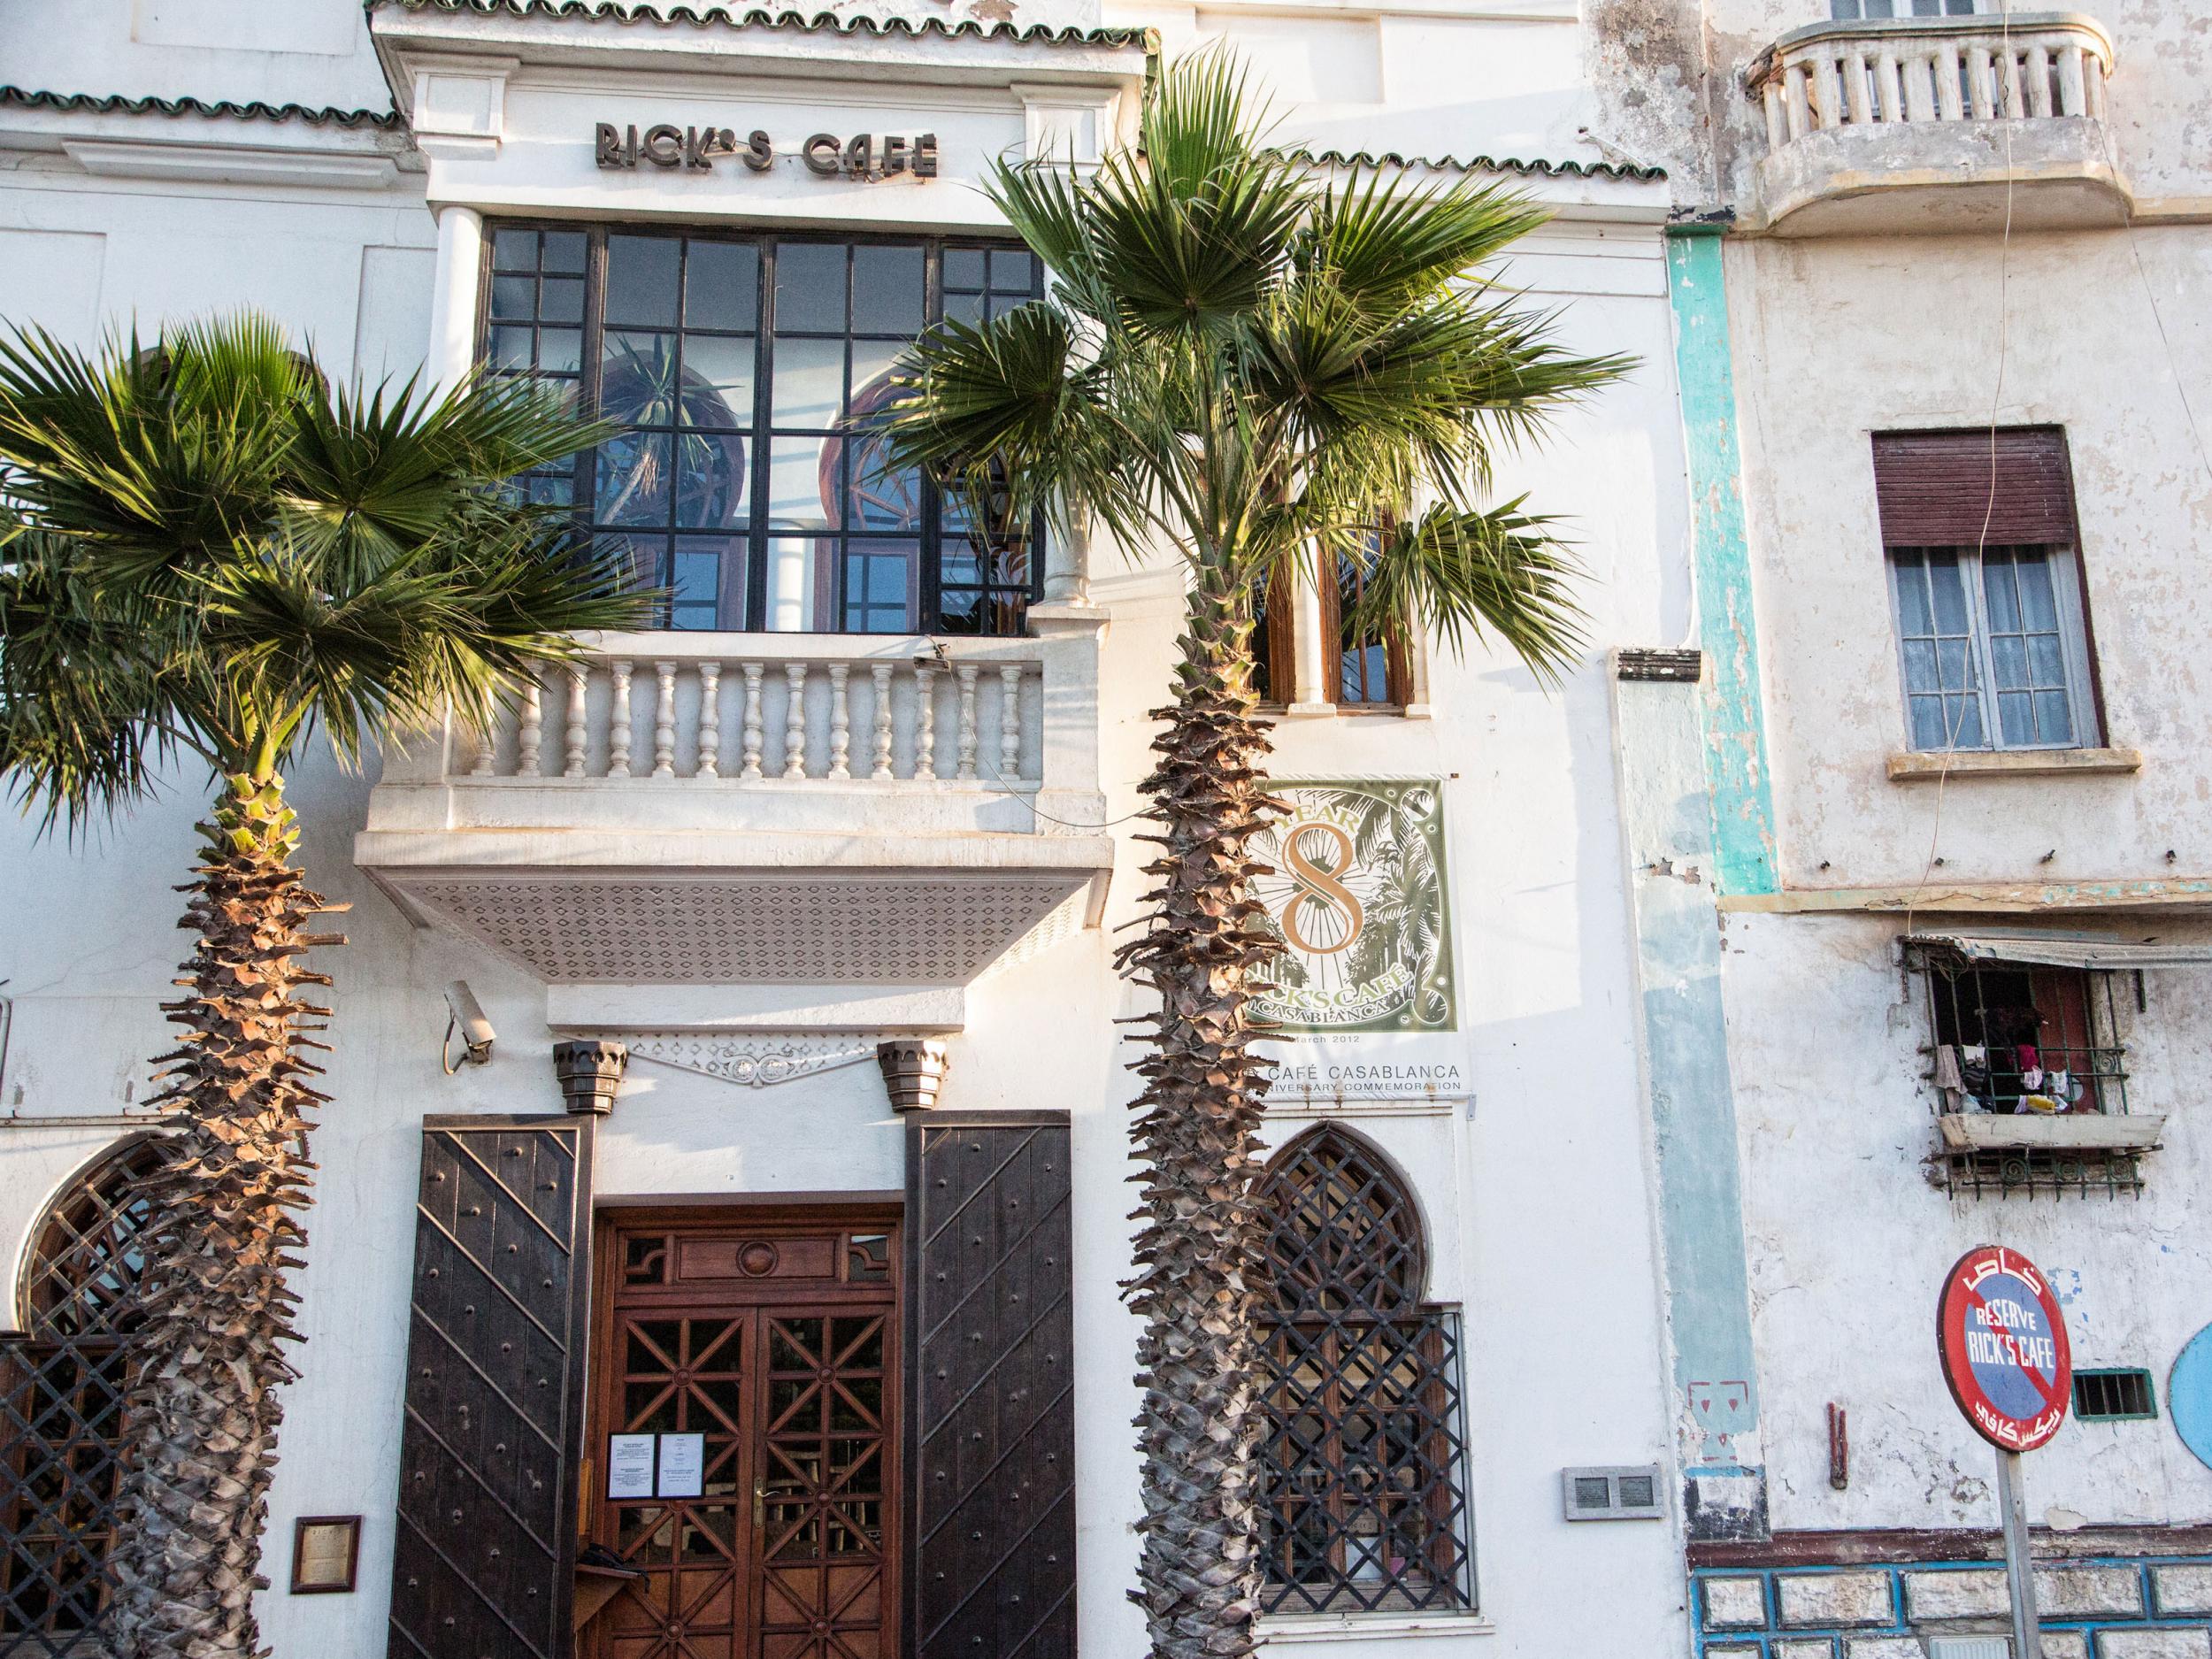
[[2068, 1132], [1939, 178], [1927, 765]]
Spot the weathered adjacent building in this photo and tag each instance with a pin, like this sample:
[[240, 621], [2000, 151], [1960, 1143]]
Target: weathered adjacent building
[[1941, 284], [1651, 1042]]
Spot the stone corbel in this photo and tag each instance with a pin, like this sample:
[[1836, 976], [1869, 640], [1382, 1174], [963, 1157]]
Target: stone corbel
[[1067, 124], [913, 1071], [459, 106], [590, 1071]]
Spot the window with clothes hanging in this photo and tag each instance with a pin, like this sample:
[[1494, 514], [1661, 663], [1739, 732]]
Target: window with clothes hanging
[[62, 1384], [742, 370], [2022, 1038], [1365, 1506], [1993, 626]]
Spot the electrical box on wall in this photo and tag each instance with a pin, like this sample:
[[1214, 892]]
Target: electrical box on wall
[[1612, 1494]]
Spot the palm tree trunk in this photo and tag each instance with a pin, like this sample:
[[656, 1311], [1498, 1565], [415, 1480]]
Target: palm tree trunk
[[1197, 1138], [203, 1404]]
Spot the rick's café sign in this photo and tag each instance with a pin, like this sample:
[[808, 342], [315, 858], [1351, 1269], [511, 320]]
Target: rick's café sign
[[865, 155], [1364, 1000]]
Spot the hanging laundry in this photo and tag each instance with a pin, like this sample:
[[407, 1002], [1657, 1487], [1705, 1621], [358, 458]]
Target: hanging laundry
[[1949, 1081]]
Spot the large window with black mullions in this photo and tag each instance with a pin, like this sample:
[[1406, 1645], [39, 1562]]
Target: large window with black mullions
[[746, 483]]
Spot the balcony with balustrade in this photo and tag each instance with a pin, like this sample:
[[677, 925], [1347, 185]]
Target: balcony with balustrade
[[761, 810], [1932, 125]]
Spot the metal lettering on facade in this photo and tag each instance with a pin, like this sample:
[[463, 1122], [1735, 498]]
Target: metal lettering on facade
[[696, 149]]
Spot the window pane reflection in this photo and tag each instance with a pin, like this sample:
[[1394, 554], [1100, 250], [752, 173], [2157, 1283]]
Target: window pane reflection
[[745, 485]]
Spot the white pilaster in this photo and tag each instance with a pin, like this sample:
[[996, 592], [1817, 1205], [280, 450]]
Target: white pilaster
[[453, 300]]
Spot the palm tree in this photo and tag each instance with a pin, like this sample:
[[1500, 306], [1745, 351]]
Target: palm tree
[[206, 552], [1269, 371]]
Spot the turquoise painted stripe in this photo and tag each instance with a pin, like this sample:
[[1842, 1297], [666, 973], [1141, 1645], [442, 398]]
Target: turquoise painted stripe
[[1736, 755]]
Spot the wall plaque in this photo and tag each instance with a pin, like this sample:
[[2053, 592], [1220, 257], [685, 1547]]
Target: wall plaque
[[1363, 991]]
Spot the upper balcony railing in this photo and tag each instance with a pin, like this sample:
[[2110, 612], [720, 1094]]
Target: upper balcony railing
[[1933, 69], [779, 710], [1913, 119]]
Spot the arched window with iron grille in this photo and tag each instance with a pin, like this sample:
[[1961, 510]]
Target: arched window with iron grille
[[1366, 1503], [61, 1406]]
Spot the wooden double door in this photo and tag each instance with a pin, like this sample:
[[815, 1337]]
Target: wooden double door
[[772, 1338]]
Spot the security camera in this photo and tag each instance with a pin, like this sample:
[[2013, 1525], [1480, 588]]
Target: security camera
[[467, 1017]]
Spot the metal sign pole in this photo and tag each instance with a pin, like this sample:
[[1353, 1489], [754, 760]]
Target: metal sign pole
[[2027, 1637]]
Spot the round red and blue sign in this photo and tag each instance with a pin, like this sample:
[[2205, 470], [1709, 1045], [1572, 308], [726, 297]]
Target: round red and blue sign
[[2003, 1342]]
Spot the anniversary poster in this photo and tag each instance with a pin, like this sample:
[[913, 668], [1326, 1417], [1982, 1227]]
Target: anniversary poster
[[1366, 1001]]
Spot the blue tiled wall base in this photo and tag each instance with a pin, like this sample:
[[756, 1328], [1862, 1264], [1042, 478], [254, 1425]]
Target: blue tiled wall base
[[2114, 1607]]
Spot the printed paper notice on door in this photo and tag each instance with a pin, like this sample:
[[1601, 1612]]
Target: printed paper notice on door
[[630, 1466], [683, 1466]]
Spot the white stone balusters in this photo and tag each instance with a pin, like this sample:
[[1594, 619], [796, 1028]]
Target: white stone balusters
[[618, 718], [1827, 90], [1009, 723], [579, 684], [1950, 79], [751, 771], [966, 673], [795, 721], [1917, 66], [2073, 80], [665, 720], [487, 746], [926, 721], [710, 719], [1856, 96], [840, 721], [1890, 84], [530, 733], [1949, 71], [880, 672]]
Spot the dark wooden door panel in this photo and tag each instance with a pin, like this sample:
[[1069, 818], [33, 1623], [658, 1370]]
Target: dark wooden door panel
[[992, 1320], [776, 1338], [485, 1558]]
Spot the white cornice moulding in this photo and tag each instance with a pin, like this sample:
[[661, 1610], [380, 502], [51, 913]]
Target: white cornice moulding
[[229, 163]]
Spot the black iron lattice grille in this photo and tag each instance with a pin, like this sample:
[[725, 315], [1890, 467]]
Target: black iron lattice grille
[[61, 1409], [1367, 1496], [1343, 1234]]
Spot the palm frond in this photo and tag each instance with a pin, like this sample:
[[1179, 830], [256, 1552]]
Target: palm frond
[[1500, 574], [1383, 239]]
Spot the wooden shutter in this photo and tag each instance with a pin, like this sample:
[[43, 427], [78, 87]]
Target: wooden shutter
[[991, 1452], [485, 1561], [1934, 487]]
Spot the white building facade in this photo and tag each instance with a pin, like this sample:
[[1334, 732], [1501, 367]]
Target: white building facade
[[729, 897], [757, 1293]]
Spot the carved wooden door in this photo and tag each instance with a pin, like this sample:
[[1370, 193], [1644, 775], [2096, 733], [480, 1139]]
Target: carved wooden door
[[775, 1342]]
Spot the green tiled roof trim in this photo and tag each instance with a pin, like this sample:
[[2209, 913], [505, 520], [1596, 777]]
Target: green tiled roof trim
[[1482, 164], [711, 14], [112, 102]]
